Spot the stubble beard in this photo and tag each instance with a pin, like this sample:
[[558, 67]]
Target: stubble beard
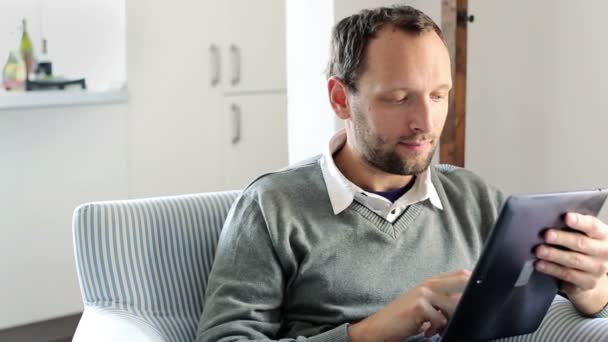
[[388, 160], [383, 154]]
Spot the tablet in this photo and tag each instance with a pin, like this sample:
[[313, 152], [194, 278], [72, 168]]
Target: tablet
[[505, 296]]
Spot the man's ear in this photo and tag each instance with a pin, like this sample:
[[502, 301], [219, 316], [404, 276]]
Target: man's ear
[[338, 97]]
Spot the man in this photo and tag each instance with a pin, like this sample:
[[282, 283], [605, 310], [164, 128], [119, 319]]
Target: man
[[367, 242]]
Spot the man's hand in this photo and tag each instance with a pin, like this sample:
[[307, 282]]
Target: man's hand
[[425, 308], [583, 267]]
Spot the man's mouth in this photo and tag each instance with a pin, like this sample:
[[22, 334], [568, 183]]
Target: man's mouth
[[415, 145]]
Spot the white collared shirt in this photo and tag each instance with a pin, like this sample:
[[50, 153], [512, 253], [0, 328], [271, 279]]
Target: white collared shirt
[[342, 192]]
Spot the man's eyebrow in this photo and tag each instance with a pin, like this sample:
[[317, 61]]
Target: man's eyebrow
[[445, 86]]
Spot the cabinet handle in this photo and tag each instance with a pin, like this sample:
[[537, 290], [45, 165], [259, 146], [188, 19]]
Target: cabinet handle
[[236, 63], [214, 50], [236, 123]]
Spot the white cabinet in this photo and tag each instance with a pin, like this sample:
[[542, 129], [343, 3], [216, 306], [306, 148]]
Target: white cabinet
[[173, 111], [252, 69], [253, 45], [257, 142], [182, 73]]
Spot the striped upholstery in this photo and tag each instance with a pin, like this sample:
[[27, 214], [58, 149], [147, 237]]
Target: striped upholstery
[[150, 258], [564, 323]]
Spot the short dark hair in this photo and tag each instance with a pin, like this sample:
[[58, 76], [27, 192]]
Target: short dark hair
[[352, 34]]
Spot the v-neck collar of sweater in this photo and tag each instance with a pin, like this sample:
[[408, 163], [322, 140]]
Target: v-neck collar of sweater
[[394, 229]]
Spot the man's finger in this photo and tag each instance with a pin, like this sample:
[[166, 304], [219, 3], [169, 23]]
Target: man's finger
[[582, 280], [577, 242], [450, 283], [446, 304], [571, 259], [587, 224], [437, 319]]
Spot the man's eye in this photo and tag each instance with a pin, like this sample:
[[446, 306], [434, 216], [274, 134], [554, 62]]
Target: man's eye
[[400, 99], [438, 97]]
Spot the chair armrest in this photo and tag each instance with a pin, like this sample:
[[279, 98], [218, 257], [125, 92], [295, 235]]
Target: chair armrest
[[97, 325]]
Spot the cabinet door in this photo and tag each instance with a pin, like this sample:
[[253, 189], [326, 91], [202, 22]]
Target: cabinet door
[[174, 110], [254, 48], [256, 139]]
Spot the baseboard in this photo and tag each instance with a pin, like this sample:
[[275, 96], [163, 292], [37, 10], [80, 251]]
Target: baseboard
[[59, 329]]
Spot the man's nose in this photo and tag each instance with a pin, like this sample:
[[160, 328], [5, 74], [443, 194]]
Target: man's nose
[[421, 119]]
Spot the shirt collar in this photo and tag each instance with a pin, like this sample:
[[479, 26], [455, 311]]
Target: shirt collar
[[342, 191]]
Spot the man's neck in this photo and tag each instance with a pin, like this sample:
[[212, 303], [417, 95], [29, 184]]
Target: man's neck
[[363, 174]]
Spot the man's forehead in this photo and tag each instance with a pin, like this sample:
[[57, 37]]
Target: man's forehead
[[392, 51], [407, 54]]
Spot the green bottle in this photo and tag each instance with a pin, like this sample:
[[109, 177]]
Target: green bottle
[[27, 50]]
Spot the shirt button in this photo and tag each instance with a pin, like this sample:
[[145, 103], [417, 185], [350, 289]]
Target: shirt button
[[393, 212]]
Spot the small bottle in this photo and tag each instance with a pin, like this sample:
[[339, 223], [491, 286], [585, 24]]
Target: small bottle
[[13, 73], [44, 68], [27, 50]]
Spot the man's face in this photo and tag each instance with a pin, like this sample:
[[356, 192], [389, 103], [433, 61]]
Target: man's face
[[399, 109]]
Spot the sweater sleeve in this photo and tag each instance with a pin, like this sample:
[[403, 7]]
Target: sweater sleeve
[[247, 284]]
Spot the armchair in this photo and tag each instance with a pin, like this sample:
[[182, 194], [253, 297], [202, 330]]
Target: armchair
[[143, 265]]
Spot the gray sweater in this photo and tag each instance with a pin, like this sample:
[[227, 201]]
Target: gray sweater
[[287, 268]]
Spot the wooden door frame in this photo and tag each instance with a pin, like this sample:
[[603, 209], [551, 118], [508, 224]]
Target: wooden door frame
[[454, 21]]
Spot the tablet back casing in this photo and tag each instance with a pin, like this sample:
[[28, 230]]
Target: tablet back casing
[[505, 295]]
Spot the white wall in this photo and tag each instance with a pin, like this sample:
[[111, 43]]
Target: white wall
[[310, 118], [51, 160], [536, 97]]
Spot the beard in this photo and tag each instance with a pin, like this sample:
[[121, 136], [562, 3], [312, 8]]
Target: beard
[[383, 154]]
